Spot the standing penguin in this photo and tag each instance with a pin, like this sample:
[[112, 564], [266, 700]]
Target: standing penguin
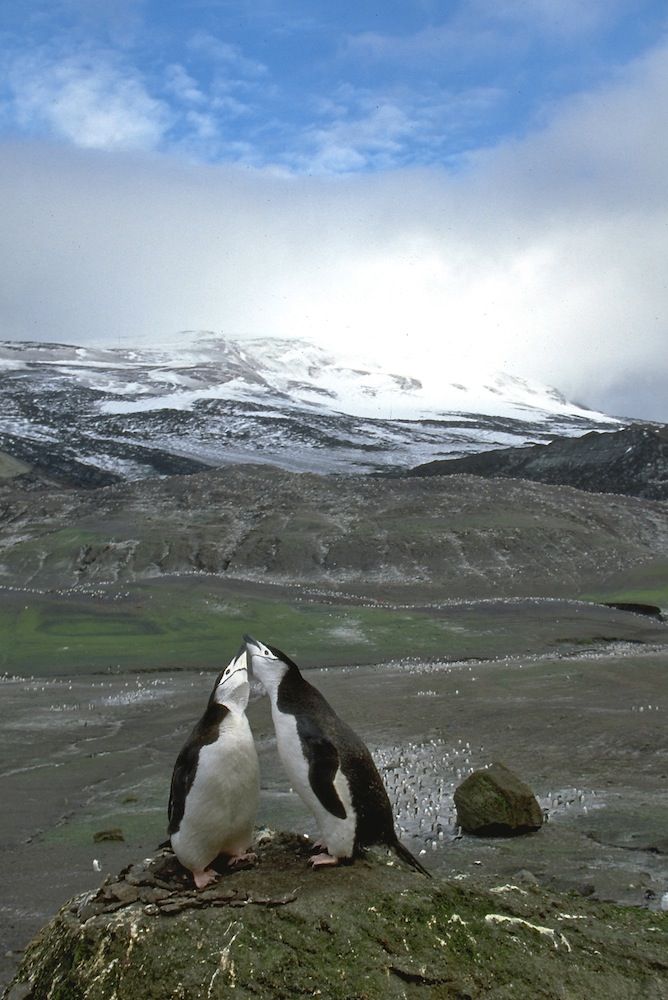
[[215, 785], [328, 764]]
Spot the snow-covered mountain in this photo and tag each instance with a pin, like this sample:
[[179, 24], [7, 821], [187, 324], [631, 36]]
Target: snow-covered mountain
[[95, 415]]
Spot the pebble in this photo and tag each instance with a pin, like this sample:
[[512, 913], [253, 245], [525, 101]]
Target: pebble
[[663, 904], [525, 876], [123, 892]]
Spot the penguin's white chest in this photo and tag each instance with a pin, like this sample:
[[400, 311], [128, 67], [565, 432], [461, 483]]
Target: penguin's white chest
[[221, 804], [338, 834]]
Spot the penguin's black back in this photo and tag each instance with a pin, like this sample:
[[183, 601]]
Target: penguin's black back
[[206, 731], [316, 719]]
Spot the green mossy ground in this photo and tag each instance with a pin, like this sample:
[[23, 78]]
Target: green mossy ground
[[196, 622], [186, 625], [647, 584]]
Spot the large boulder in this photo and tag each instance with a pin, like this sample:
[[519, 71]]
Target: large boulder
[[369, 931], [495, 802]]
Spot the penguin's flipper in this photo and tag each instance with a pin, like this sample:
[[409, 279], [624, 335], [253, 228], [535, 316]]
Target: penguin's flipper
[[182, 779], [323, 761]]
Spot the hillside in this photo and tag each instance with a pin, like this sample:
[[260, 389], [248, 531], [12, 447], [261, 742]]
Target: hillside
[[456, 536], [633, 461]]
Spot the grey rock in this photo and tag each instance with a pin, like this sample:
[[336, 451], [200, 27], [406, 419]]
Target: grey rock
[[495, 802], [525, 877], [123, 892], [374, 929], [19, 991], [113, 834]]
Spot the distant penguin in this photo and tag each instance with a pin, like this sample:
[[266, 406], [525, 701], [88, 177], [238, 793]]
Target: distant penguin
[[215, 784], [327, 763]]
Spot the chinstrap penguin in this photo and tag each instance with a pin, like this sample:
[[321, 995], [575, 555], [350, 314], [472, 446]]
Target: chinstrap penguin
[[215, 785], [327, 763]]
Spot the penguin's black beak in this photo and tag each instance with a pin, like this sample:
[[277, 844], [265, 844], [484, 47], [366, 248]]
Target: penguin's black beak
[[251, 646]]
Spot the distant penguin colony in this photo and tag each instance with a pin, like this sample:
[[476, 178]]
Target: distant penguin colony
[[215, 785], [328, 765], [216, 780]]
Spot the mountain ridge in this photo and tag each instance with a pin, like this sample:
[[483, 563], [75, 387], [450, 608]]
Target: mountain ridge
[[92, 416]]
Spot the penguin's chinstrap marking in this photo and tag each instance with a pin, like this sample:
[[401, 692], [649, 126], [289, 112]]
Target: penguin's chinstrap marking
[[215, 784], [328, 765]]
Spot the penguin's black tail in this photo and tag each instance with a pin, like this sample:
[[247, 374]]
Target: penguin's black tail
[[405, 855]]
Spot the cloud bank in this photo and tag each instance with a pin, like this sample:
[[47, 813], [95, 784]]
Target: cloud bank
[[544, 256]]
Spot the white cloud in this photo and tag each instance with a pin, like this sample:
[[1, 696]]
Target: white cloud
[[488, 28], [89, 100], [231, 57], [360, 129], [459, 43], [182, 85], [546, 256], [97, 100], [370, 134]]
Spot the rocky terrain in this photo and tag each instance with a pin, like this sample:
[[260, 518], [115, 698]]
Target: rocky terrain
[[90, 417], [633, 461], [372, 931]]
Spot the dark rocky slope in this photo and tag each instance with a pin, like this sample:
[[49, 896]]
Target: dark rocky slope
[[633, 461]]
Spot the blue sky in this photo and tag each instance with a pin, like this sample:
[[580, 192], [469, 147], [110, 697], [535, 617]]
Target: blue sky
[[455, 184], [309, 87]]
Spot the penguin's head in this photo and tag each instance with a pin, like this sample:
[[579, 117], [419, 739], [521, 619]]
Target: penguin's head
[[232, 688], [267, 663]]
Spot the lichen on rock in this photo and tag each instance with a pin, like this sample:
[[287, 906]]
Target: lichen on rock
[[493, 801], [367, 931]]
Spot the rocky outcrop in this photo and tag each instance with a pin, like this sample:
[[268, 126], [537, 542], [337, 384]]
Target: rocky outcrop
[[10, 467], [633, 461], [62, 464], [648, 610], [495, 802], [371, 930]]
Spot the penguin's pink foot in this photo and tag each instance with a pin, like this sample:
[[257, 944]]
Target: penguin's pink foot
[[239, 859], [204, 878], [320, 860]]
